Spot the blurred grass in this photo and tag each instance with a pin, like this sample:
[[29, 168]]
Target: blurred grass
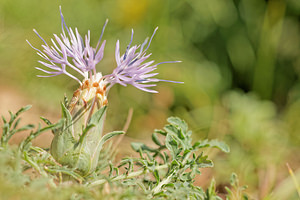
[[241, 68]]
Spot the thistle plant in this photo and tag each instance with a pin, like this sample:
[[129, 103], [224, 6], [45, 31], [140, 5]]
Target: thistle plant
[[78, 142], [164, 170]]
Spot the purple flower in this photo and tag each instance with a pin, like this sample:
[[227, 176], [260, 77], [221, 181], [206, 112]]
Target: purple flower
[[70, 51], [131, 68]]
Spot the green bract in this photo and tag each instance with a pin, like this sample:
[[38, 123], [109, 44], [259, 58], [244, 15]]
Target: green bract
[[77, 143]]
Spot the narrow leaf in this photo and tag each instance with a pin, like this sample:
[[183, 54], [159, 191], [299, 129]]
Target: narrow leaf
[[65, 112], [46, 120], [12, 117], [85, 131], [156, 175], [26, 127], [3, 119], [108, 136], [164, 133], [96, 117], [16, 123], [155, 139], [23, 109]]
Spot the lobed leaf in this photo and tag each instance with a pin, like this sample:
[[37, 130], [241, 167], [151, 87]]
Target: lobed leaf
[[212, 143], [176, 121]]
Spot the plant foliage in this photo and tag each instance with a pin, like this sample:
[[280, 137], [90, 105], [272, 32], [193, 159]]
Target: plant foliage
[[165, 170]]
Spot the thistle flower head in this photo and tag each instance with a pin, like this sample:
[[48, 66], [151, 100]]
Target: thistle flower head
[[70, 51]]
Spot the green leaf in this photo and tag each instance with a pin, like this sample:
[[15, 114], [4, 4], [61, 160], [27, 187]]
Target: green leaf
[[108, 136], [66, 101], [46, 120], [12, 117], [5, 129], [67, 115], [23, 109], [178, 135], [26, 127], [186, 152], [233, 179], [136, 146], [172, 130], [85, 131], [3, 119], [166, 157], [178, 122], [169, 185], [186, 176], [35, 134], [156, 140], [202, 162], [181, 135], [160, 194], [211, 191], [17, 123], [156, 175], [142, 186], [162, 132], [96, 117], [212, 143], [172, 145], [65, 170]]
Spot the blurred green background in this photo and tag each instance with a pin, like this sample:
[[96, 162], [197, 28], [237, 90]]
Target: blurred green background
[[240, 68]]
